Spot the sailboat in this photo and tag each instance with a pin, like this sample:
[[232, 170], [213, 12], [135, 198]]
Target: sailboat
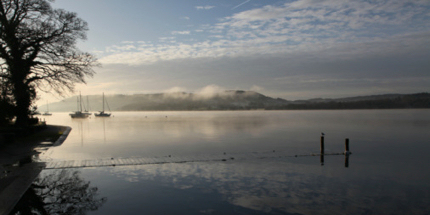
[[47, 110], [102, 113], [78, 113]]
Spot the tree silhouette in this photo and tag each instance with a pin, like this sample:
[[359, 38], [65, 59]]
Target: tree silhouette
[[60, 192], [6, 106], [38, 50]]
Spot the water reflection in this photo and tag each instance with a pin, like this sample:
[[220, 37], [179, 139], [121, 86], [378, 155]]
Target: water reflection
[[148, 134], [346, 161], [268, 187], [104, 129], [385, 177], [152, 134], [59, 192]]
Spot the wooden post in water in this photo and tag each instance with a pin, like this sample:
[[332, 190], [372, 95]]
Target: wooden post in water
[[322, 145], [347, 152], [346, 145]]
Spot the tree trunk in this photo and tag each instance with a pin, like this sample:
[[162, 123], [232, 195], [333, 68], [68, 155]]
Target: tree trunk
[[22, 97], [22, 94]]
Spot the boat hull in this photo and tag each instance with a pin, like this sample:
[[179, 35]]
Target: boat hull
[[102, 114], [79, 115]]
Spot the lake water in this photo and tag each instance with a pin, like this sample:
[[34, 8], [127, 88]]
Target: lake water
[[387, 172]]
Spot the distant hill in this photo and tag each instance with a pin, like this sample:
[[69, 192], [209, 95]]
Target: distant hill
[[388, 101], [236, 100]]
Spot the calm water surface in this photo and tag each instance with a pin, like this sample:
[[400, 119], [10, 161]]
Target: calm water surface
[[386, 174]]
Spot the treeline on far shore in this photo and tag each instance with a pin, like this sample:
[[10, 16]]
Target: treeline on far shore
[[411, 101]]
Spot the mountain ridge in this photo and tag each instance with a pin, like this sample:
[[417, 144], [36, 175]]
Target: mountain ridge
[[236, 100]]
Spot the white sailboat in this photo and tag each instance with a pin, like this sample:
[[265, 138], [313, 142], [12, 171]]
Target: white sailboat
[[47, 110], [102, 113], [79, 113]]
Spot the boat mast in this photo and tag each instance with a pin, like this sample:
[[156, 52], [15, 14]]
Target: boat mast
[[80, 102], [88, 105]]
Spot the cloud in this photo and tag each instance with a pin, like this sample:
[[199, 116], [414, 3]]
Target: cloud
[[176, 93], [175, 90], [143, 54], [180, 32], [122, 48], [209, 91], [322, 48], [166, 38], [295, 27], [330, 18], [240, 4], [207, 7], [256, 88]]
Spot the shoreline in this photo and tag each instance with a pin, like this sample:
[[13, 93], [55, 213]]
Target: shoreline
[[18, 170], [256, 110]]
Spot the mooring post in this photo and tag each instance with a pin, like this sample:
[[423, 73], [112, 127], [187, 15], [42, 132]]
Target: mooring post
[[322, 159], [347, 152], [322, 145], [347, 144]]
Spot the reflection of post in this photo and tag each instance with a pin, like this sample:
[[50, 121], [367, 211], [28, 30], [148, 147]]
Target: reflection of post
[[346, 160], [88, 126], [322, 159], [322, 145]]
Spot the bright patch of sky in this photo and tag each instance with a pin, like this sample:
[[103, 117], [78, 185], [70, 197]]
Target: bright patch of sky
[[292, 49]]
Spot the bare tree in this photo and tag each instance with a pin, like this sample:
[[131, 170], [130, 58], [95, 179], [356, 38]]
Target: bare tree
[[38, 50]]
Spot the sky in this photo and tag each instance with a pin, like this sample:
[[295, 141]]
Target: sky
[[293, 49]]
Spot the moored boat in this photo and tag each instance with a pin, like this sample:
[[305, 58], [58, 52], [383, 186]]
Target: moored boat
[[102, 113], [79, 113], [47, 110]]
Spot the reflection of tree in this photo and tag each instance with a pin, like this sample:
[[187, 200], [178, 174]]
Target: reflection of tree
[[59, 192]]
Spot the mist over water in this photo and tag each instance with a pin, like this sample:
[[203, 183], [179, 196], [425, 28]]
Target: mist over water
[[386, 172]]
